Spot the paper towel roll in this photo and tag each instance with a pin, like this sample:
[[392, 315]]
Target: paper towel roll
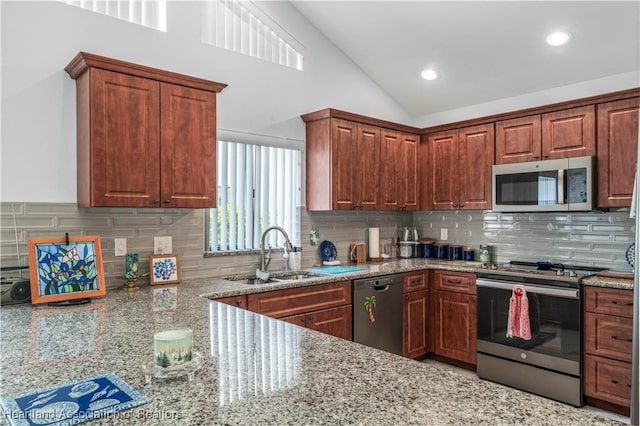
[[374, 242]]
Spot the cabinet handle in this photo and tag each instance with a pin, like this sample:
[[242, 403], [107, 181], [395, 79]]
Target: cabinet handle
[[622, 339], [156, 201], [545, 156], [615, 382], [536, 157], [238, 303], [454, 281], [615, 302], [167, 201]]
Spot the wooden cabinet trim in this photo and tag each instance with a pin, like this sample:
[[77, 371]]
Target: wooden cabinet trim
[[357, 118], [415, 324], [459, 282], [414, 281], [84, 60]]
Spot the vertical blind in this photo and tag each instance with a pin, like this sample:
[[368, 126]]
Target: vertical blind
[[258, 186], [148, 13], [230, 25]]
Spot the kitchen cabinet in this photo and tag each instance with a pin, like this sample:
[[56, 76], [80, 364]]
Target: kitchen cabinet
[[343, 161], [398, 171], [459, 163], [617, 145], [608, 317], [557, 134], [415, 315], [237, 301], [310, 306], [454, 316], [356, 162], [334, 321], [145, 137]]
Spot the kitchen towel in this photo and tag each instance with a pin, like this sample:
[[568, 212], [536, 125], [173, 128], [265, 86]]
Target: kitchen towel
[[518, 324]]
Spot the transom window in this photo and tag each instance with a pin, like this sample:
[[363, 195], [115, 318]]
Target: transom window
[[148, 13]]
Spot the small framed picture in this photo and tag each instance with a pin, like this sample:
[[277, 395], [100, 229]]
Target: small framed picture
[[164, 269]]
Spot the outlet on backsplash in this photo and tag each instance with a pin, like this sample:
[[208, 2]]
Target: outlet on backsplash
[[444, 234]]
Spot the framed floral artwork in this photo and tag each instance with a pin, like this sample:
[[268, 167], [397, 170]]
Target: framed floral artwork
[[164, 269], [65, 270]]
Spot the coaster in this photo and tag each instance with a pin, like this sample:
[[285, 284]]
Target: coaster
[[72, 403]]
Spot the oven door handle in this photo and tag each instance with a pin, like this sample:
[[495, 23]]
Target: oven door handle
[[567, 293]]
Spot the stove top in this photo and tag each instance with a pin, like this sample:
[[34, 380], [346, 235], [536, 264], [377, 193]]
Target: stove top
[[544, 273]]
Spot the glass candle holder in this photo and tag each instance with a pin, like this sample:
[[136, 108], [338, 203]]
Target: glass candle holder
[[131, 270]]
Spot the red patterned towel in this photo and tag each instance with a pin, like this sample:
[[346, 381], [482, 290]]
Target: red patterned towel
[[518, 324]]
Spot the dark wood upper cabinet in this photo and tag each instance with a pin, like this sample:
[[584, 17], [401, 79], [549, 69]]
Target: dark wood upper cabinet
[[146, 137], [460, 168], [398, 171], [359, 163], [559, 134], [617, 151]]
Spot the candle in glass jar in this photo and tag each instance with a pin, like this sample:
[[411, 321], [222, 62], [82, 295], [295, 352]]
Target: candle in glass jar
[[131, 266]]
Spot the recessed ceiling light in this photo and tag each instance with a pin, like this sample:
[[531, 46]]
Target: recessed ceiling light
[[429, 74], [558, 38]]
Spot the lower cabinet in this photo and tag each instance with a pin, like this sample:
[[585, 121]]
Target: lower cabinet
[[334, 321], [608, 322], [454, 328], [415, 343], [324, 307]]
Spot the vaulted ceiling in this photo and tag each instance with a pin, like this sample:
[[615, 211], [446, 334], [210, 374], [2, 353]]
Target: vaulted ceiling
[[482, 51]]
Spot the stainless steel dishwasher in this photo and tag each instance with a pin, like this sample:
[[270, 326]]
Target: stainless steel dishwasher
[[377, 312]]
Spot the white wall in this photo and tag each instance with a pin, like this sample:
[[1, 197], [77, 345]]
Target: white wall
[[38, 151]]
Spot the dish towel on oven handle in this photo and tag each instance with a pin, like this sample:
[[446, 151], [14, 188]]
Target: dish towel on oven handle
[[518, 324]]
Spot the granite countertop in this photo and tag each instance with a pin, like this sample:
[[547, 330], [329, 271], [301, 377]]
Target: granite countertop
[[257, 370]]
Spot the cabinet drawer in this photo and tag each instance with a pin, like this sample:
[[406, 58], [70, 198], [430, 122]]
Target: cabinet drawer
[[460, 282], [608, 380], [292, 301], [610, 301], [608, 336], [414, 281]]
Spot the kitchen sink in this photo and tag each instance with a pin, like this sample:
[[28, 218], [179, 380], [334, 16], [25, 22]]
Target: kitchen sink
[[275, 278]]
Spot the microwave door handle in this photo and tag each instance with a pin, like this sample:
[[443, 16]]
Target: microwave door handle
[[562, 173]]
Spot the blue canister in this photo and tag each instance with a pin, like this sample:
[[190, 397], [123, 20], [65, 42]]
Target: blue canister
[[455, 252], [441, 251], [468, 254], [427, 248]]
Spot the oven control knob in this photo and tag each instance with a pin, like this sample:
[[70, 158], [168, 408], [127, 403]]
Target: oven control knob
[[494, 266], [559, 273], [523, 355], [573, 274]]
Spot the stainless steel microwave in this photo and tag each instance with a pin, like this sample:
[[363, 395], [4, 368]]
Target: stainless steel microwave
[[549, 185]]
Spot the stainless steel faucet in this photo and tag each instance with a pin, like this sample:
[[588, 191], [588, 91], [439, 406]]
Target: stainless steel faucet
[[265, 259]]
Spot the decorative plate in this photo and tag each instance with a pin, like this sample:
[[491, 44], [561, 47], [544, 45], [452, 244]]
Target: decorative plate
[[630, 255], [328, 251]]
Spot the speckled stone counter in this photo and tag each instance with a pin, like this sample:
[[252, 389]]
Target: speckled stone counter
[[257, 370], [597, 281]]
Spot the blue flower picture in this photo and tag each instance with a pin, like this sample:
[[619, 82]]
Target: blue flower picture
[[164, 269]]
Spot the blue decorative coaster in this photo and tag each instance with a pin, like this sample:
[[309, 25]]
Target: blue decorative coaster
[[72, 403]]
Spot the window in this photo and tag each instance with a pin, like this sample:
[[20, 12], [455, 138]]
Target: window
[[245, 28], [148, 13], [258, 186]]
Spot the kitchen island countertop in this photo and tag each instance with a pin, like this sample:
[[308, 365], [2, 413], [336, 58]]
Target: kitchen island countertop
[[257, 370]]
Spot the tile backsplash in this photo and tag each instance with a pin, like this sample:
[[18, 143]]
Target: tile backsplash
[[594, 239]]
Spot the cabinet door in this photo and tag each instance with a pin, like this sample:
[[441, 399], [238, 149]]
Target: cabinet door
[[476, 147], [237, 301], [518, 140], [415, 336], [389, 179], [407, 171], [569, 133], [335, 321], [188, 154], [617, 146], [443, 149], [366, 167], [454, 334], [343, 160], [119, 165]]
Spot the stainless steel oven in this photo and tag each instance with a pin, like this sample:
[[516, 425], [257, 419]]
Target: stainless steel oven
[[549, 364]]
